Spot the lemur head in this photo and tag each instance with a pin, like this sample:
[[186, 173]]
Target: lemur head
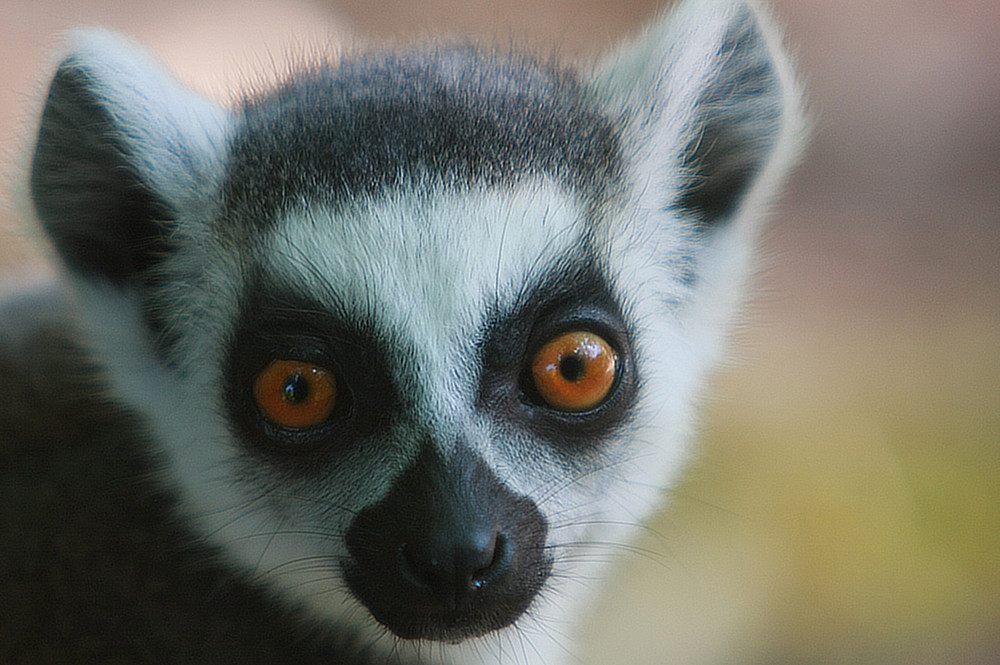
[[419, 331]]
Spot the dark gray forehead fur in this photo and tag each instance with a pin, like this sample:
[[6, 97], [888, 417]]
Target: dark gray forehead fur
[[460, 115]]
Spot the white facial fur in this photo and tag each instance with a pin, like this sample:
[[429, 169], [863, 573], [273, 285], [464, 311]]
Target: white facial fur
[[427, 268]]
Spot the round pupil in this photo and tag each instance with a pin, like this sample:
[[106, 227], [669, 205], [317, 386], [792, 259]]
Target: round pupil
[[295, 389], [572, 368]]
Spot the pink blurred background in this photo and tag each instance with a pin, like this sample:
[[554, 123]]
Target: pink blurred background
[[846, 504]]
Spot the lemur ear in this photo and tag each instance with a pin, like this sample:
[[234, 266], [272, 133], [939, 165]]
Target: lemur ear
[[706, 98], [123, 150]]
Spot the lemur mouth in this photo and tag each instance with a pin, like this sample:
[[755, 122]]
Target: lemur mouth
[[450, 553]]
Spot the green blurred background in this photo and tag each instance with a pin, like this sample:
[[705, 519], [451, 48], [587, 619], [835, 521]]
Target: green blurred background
[[845, 505]]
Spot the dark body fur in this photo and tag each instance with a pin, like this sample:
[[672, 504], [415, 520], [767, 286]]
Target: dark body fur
[[115, 578]]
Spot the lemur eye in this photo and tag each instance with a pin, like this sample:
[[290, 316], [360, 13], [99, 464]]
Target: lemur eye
[[574, 371], [295, 394]]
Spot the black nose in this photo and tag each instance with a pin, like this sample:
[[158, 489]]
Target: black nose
[[454, 566], [450, 552]]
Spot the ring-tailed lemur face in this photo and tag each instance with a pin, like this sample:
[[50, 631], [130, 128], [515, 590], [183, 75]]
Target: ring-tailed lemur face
[[420, 332], [431, 408]]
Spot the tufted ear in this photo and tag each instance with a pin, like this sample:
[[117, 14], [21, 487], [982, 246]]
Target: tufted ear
[[123, 151], [707, 98]]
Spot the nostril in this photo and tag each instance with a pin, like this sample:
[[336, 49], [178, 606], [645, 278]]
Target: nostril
[[455, 568], [499, 559], [416, 568]]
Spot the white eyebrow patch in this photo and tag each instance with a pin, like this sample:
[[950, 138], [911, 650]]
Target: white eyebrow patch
[[427, 265]]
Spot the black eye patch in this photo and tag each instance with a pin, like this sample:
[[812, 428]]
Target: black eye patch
[[574, 295], [275, 324]]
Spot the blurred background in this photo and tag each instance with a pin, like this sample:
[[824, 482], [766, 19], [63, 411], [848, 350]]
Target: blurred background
[[845, 505]]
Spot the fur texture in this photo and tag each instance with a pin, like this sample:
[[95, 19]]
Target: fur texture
[[421, 224]]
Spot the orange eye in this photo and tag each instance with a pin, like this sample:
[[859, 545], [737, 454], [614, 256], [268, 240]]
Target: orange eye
[[574, 371], [295, 394]]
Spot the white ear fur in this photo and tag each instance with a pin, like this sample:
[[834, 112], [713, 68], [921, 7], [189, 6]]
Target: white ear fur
[[175, 134], [653, 83], [123, 152], [707, 99]]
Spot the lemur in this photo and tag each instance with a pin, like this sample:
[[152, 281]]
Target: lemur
[[381, 365]]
